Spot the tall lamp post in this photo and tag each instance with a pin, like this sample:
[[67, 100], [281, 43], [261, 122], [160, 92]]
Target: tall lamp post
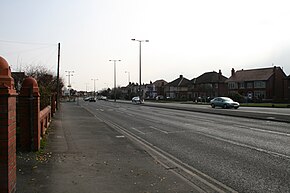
[[69, 75], [140, 41], [115, 76], [94, 79]]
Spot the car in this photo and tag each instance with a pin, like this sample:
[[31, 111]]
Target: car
[[224, 102], [103, 98], [137, 100], [159, 97], [92, 99], [87, 98]]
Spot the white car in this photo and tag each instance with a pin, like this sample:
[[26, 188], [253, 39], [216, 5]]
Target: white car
[[137, 100]]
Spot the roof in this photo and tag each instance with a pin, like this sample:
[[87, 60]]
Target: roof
[[252, 75], [181, 81], [160, 83], [210, 77]]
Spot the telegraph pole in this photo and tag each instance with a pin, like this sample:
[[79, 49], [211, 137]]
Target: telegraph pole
[[57, 78]]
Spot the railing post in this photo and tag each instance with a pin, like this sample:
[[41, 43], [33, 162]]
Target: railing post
[[7, 130]]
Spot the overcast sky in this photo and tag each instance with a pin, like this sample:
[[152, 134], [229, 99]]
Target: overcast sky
[[187, 37]]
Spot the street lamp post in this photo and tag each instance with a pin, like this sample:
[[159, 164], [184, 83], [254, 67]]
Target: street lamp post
[[128, 76], [115, 76], [140, 41], [69, 75], [94, 79]]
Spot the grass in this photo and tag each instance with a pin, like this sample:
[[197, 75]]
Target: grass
[[275, 105]]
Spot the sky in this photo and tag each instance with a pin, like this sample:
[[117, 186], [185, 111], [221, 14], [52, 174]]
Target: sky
[[186, 37]]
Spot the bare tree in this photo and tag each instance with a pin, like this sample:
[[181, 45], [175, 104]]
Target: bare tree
[[47, 83]]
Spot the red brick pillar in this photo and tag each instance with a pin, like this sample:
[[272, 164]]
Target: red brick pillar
[[7, 130], [29, 108]]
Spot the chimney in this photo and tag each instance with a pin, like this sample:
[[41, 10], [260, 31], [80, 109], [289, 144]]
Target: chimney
[[181, 76], [220, 72], [233, 71]]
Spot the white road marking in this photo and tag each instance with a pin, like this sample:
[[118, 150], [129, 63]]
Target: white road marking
[[159, 129], [138, 130], [264, 130]]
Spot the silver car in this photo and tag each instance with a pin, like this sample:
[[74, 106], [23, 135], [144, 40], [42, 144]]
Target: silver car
[[137, 100], [224, 102]]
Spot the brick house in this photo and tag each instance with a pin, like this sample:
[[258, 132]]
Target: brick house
[[208, 85], [159, 87], [177, 89], [287, 88], [264, 84]]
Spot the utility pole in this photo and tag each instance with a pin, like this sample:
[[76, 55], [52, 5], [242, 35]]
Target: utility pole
[[57, 78]]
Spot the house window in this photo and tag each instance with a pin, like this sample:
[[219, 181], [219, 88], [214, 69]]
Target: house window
[[249, 84], [259, 84], [242, 85], [233, 85]]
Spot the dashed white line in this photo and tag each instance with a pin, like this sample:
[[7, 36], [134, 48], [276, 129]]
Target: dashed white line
[[159, 129], [138, 130]]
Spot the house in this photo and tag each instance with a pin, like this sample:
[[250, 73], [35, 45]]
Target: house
[[208, 85], [287, 88], [264, 84], [158, 88], [177, 89]]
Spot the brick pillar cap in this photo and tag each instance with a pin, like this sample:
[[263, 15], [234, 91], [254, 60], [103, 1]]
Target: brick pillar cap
[[4, 67], [6, 80], [28, 83]]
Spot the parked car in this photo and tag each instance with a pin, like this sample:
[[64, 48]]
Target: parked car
[[137, 100], [103, 98], [159, 97], [224, 102], [87, 98], [92, 99]]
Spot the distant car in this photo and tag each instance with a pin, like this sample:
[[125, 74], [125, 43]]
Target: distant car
[[87, 98], [159, 97], [92, 99], [137, 100], [224, 102], [103, 98]]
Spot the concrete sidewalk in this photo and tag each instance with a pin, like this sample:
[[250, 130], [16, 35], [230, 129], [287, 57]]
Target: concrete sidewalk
[[85, 155]]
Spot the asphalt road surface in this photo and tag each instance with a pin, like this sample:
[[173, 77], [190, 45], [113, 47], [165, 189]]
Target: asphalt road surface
[[246, 155]]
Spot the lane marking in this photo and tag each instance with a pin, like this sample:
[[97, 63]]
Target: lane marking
[[245, 145], [264, 130], [158, 129], [138, 130]]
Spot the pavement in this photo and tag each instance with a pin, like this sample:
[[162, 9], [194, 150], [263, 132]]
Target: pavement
[[83, 154]]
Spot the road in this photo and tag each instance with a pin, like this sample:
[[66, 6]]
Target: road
[[245, 155]]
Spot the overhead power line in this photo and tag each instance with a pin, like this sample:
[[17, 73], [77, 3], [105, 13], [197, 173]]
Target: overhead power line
[[27, 43]]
